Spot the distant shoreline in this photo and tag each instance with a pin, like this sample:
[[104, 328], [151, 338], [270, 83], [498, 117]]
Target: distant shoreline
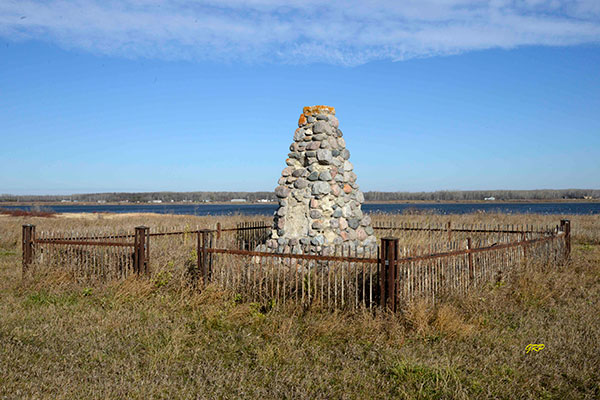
[[125, 204]]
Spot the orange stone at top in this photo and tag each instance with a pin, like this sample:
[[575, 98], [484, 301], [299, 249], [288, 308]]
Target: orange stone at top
[[318, 110], [302, 120]]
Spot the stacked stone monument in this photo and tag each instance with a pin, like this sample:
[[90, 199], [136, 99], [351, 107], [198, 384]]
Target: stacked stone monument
[[319, 199]]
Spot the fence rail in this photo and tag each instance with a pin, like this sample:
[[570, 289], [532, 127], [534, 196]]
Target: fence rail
[[343, 277]]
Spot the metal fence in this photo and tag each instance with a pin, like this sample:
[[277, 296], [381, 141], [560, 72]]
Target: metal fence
[[340, 277]]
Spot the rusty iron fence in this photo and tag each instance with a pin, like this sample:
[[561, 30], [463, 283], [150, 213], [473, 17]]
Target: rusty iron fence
[[388, 275]]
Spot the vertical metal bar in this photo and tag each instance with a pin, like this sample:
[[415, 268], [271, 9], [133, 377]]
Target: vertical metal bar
[[141, 252], [469, 247], [389, 265], [565, 226], [28, 239]]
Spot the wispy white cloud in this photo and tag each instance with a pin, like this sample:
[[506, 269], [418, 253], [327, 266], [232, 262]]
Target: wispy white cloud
[[299, 31]]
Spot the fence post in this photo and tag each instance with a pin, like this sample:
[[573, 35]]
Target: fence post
[[389, 273], [449, 231], [28, 239], [204, 259], [141, 252], [565, 226], [218, 230], [470, 257], [524, 246]]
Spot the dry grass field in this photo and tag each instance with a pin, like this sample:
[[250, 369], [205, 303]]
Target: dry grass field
[[154, 338]]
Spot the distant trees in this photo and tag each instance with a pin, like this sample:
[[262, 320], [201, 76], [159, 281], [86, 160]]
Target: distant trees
[[443, 195], [466, 195]]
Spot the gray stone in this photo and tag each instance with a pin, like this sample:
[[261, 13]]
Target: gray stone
[[337, 213], [321, 127], [341, 142], [361, 234], [318, 225], [333, 121], [313, 176], [338, 133], [280, 222], [287, 171], [310, 119], [360, 197], [296, 155], [315, 214], [314, 145], [347, 210], [353, 223], [335, 152], [301, 183], [299, 134], [282, 191], [322, 117], [348, 166], [281, 181], [325, 144], [334, 223], [292, 162], [369, 230], [281, 211], [298, 173], [305, 241], [345, 154], [320, 136], [325, 176], [332, 142], [320, 187], [318, 240], [324, 156], [351, 176], [311, 153]]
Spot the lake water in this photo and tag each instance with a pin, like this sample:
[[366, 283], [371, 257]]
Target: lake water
[[269, 209]]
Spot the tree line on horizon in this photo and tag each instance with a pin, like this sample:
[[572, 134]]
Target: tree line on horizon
[[441, 195]]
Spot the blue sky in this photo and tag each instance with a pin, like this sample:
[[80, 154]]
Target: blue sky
[[433, 95]]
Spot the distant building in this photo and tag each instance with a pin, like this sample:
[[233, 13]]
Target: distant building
[[238, 200], [101, 201], [490, 198], [264, 201], [587, 197], [155, 201]]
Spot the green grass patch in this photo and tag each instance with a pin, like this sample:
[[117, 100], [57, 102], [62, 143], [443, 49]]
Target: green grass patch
[[43, 298], [7, 253]]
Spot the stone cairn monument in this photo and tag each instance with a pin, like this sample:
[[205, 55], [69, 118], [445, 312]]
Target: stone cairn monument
[[319, 199]]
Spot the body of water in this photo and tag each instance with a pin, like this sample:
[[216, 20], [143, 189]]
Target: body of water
[[269, 209]]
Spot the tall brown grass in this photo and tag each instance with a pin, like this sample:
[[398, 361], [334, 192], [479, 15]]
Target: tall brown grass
[[138, 338]]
